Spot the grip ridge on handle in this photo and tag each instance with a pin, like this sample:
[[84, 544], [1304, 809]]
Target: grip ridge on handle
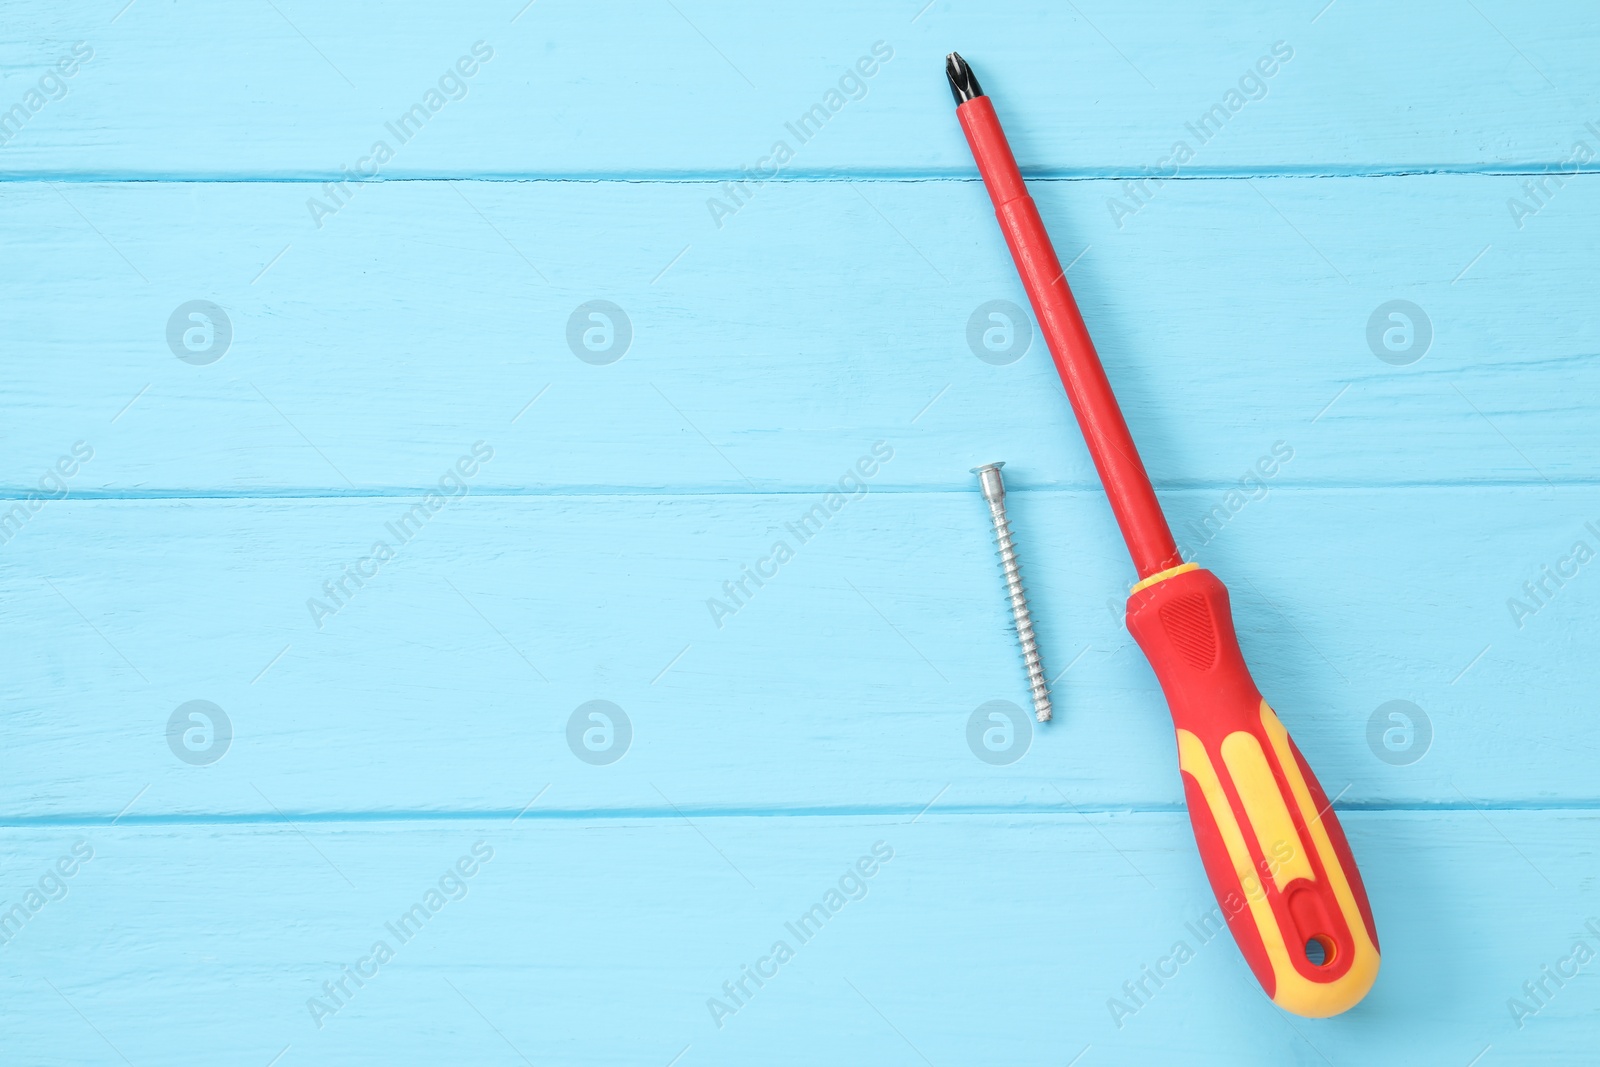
[[1188, 622]]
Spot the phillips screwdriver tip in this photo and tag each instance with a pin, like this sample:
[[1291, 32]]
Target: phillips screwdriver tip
[[963, 83]]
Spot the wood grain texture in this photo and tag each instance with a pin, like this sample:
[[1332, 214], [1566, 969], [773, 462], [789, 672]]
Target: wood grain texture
[[984, 939], [823, 317], [387, 335], [845, 682], [294, 89]]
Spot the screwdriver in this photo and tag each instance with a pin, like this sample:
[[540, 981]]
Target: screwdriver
[[1271, 844]]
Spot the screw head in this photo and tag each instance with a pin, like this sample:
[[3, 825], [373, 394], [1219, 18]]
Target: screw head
[[990, 481]]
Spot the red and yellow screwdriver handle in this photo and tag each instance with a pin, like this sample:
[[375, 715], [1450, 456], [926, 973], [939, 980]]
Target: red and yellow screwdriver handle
[[1272, 846]]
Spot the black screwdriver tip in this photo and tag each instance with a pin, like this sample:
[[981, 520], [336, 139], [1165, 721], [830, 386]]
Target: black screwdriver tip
[[963, 83]]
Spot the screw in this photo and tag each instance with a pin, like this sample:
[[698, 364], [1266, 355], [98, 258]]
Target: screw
[[994, 491]]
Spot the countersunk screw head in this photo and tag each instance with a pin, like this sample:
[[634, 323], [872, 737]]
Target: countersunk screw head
[[989, 480]]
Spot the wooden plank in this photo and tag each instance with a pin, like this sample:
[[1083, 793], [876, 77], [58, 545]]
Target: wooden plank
[[426, 316], [983, 939], [225, 780], [847, 681], [295, 89]]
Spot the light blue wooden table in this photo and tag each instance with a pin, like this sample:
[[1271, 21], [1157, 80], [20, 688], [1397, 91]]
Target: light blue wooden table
[[396, 383]]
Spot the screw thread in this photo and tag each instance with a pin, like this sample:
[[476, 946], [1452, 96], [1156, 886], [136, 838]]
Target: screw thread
[[1038, 685]]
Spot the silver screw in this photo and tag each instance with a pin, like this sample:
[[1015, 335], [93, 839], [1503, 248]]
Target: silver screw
[[994, 491]]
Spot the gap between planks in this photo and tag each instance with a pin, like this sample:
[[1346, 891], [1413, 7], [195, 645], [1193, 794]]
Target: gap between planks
[[1311, 172], [731, 490], [909, 812]]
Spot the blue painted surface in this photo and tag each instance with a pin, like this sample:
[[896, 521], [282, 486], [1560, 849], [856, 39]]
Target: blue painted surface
[[187, 499]]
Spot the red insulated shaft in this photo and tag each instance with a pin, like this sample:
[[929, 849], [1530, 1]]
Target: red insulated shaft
[[1127, 486]]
